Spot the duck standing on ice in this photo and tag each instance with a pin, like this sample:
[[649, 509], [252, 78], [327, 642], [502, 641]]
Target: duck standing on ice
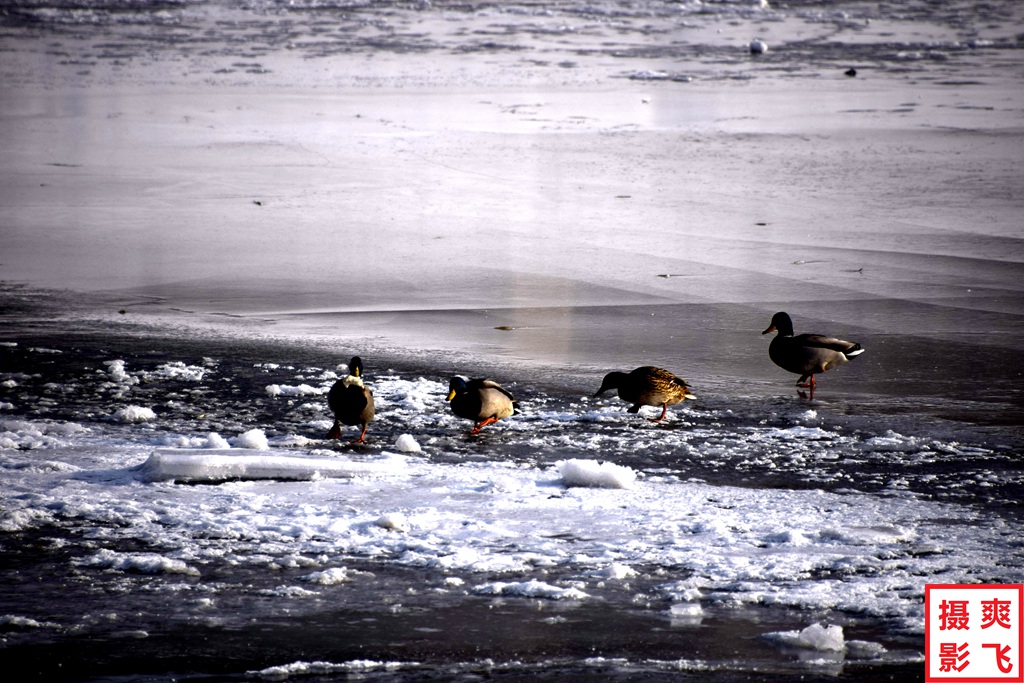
[[351, 401], [807, 354], [483, 401], [647, 386]]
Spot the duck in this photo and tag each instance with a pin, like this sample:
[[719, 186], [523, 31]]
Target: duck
[[647, 386], [483, 401], [351, 401], [807, 354]]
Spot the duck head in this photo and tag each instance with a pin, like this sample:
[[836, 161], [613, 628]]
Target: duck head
[[613, 380], [781, 322], [456, 386], [355, 366]]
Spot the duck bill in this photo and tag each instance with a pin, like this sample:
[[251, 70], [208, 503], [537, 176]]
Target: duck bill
[[770, 329], [451, 395]]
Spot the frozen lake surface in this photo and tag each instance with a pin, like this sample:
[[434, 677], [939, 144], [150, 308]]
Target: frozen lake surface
[[171, 510], [209, 207]]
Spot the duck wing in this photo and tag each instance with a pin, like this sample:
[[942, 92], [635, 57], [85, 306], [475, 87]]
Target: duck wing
[[495, 400], [818, 341], [491, 384], [656, 386]]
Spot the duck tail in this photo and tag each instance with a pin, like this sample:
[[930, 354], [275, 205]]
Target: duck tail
[[515, 408], [853, 352]]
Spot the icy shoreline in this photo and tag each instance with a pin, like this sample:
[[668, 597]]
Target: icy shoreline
[[579, 506]]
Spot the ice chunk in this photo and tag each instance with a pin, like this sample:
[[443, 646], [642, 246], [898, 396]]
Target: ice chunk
[[686, 610], [115, 368], [211, 440], [300, 390], [236, 463], [591, 473], [134, 414], [215, 440], [395, 521], [530, 589], [814, 637], [254, 438], [864, 649], [304, 669], [15, 621], [329, 577], [146, 563], [821, 637], [180, 371], [616, 571], [407, 444]]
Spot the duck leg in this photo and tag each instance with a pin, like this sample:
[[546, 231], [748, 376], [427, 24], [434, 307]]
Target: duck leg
[[481, 425], [664, 407], [810, 384], [335, 431], [362, 436]]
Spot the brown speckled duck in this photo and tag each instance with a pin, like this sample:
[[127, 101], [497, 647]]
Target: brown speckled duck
[[351, 401], [807, 354], [483, 401], [647, 386]]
